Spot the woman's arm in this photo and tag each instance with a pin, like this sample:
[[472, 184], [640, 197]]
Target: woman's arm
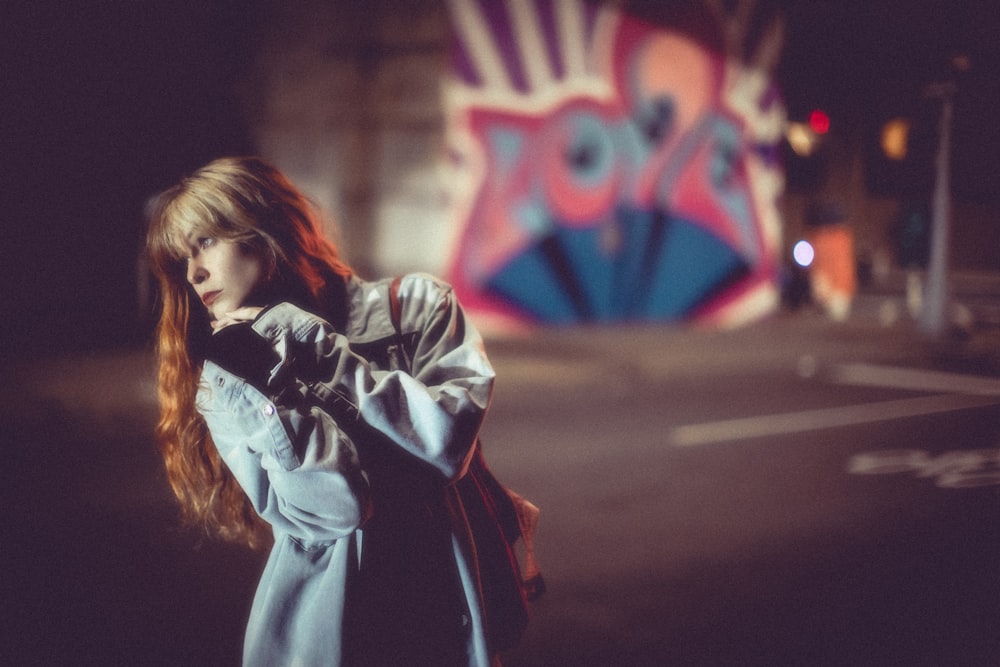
[[300, 472], [434, 414]]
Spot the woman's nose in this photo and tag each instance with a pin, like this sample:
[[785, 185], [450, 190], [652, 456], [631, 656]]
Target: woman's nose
[[196, 273]]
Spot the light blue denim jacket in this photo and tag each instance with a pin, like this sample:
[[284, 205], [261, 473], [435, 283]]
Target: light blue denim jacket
[[301, 471]]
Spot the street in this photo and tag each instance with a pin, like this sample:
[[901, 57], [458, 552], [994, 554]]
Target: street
[[666, 545], [798, 492]]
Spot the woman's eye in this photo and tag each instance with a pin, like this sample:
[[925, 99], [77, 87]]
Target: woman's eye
[[205, 242]]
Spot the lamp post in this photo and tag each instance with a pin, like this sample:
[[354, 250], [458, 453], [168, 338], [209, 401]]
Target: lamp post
[[934, 315]]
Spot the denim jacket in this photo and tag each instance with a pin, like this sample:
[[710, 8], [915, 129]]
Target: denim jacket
[[294, 448]]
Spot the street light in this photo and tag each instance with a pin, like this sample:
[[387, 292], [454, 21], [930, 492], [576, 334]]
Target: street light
[[933, 316]]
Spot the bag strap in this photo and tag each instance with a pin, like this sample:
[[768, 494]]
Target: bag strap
[[395, 308], [398, 355]]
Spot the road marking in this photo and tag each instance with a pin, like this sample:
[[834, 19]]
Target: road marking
[[911, 378], [813, 420], [956, 469], [967, 391]]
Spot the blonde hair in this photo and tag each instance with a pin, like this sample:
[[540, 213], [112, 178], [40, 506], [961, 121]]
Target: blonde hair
[[248, 201]]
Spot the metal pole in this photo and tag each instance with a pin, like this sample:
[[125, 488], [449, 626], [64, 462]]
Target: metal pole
[[934, 315]]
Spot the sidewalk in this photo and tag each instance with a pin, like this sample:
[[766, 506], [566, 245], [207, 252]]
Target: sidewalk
[[974, 298]]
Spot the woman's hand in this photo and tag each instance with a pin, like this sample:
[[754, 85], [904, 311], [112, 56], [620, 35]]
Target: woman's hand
[[245, 314]]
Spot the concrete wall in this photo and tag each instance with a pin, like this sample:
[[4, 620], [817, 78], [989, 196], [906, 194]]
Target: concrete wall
[[345, 97]]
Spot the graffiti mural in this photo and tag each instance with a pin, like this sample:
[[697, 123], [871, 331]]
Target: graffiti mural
[[608, 169]]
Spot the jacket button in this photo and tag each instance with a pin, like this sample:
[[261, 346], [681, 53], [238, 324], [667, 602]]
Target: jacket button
[[268, 410]]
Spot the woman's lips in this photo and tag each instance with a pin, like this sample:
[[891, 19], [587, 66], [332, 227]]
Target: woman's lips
[[209, 297]]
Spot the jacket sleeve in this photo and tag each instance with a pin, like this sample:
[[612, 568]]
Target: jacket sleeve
[[299, 471], [434, 414]]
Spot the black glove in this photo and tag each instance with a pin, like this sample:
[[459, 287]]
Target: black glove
[[238, 349]]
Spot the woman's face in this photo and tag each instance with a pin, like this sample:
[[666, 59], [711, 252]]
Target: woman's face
[[222, 273]]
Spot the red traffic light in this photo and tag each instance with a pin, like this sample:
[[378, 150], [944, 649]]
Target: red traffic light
[[819, 122]]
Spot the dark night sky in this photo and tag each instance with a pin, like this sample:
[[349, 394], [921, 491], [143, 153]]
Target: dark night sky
[[106, 102], [868, 61], [863, 58]]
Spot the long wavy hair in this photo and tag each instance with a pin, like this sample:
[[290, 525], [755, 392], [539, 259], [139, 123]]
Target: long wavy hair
[[247, 201]]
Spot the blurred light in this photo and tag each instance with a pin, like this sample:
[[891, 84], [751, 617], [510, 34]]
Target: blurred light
[[803, 253], [801, 138], [961, 62], [819, 122], [895, 138]]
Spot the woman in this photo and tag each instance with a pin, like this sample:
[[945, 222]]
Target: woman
[[279, 403]]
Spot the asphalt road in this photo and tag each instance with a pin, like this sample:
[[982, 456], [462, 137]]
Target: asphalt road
[[726, 498], [708, 498]]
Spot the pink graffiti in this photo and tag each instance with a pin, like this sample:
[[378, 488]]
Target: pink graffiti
[[643, 124]]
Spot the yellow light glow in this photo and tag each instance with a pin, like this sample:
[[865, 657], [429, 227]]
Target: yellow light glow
[[801, 138], [895, 138]]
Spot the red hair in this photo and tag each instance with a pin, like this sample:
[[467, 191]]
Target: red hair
[[248, 201]]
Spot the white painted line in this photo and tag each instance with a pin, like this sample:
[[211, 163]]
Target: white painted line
[[813, 420], [917, 380]]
